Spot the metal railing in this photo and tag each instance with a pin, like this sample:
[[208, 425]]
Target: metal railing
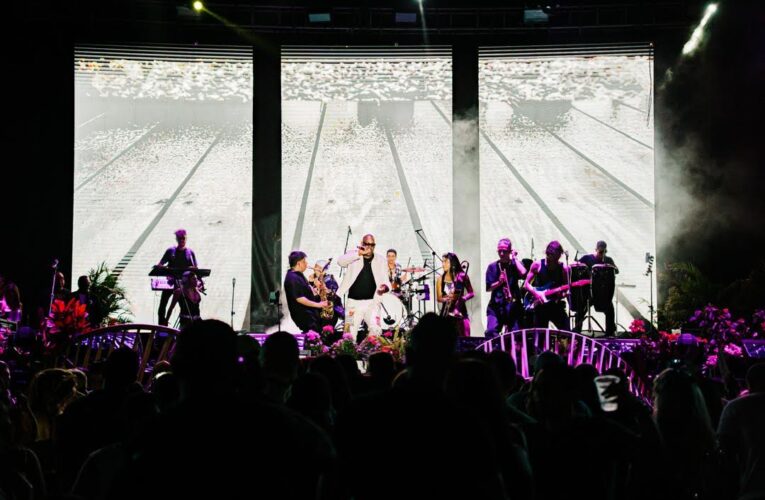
[[153, 343], [525, 345]]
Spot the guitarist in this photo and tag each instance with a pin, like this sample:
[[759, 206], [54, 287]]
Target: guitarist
[[547, 274]]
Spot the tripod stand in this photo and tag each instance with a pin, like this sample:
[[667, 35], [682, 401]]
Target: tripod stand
[[649, 272]]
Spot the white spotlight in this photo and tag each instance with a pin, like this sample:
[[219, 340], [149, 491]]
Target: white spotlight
[[698, 34]]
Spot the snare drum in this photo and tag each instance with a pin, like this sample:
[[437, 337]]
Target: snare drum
[[603, 284], [390, 312]]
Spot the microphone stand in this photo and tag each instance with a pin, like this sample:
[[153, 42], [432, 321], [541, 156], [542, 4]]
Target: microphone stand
[[568, 290], [345, 250], [53, 286], [233, 290], [649, 272], [418, 232]]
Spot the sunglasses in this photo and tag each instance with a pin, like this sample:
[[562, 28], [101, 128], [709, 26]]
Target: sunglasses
[[365, 244]]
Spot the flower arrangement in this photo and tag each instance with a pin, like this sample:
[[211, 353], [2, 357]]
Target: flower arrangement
[[66, 319], [720, 331], [637, 326], [346, 345], [314, 343]]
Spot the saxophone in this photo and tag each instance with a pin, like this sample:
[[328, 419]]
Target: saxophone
[[325, 295]]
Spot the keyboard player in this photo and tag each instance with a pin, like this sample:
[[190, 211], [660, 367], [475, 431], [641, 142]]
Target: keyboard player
[[179, 258]]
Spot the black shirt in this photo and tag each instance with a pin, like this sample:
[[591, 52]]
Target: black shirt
[[549, 278], [180, 259], [492, 276], [590, 260], [364, 287], [296, 286]]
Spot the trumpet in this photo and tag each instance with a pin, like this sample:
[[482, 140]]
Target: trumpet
[[505, 282]]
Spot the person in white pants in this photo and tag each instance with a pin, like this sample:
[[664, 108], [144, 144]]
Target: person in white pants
[[365, 281]]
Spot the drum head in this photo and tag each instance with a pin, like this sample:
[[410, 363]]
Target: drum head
[[391, 312]]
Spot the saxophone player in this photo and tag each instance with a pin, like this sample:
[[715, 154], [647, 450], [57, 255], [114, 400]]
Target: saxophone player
[[300, 297], [324, 287], [505, 308]]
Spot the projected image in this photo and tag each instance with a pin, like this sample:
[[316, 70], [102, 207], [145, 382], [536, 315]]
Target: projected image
[[163, 140], [366, 145], [566, 153]]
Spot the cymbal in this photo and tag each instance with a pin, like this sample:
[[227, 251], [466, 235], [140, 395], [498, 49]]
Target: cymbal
[[413, 270]]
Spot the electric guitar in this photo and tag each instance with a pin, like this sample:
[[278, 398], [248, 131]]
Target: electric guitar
[[530, 301]]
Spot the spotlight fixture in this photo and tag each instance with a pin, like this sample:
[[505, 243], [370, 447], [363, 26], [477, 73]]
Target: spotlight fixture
[[198, 6], [698, 34]]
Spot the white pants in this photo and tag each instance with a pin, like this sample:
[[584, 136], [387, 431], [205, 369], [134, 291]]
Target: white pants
[[357, 311]]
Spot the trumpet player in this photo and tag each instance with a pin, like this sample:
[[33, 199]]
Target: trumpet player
[[300, 297], [505, 308]]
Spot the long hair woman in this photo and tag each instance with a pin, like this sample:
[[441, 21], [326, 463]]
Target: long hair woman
[[453, 289]]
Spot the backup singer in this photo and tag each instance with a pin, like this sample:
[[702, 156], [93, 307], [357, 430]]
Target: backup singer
[[188, 298], [453, 289], [178, 257], [365, 283], [502, 278], [301, 300], [603, 304], [549, 273]]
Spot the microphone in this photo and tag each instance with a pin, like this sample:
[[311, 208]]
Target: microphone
[[233, 281], [326, 266], [418, 230], [565, 252], [55, 264], [349, 230], [576, 254]]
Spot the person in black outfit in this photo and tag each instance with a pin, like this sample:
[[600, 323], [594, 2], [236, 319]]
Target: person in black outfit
[[179, 257], [84, 296], [188, 298], [300, 297], [602, 302], [503, 311], [547, 274]]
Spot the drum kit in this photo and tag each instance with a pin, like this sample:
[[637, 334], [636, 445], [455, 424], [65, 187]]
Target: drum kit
[[600, 292], [397, 308]]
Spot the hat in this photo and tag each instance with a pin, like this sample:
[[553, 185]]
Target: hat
[[601, 244]]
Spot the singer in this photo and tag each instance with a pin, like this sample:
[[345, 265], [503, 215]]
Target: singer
[[365, 283]]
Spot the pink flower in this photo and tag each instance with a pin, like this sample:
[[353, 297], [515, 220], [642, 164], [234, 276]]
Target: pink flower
[[733, 350]]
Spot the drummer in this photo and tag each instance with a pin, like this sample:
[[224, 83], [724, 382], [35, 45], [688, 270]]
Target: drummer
[[396, 274], [600, 259]]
